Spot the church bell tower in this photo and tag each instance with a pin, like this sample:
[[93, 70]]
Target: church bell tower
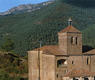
[[70, 40]]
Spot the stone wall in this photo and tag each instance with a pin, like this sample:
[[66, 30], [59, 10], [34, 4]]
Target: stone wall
[[81, 62], [45, 69], [70, 43], [74, 62], [73, 47], [48, 67], [93, 63], [62, 39], [33, 65], [90, 63]]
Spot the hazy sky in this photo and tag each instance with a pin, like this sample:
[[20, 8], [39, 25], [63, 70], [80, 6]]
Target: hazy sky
[[7, 4]]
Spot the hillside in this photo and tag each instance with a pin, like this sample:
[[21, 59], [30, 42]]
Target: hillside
[[12, 67], [81, 3], [27, 29], [88, 35]]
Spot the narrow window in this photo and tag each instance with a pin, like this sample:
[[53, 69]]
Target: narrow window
[[71, 40], [57, 75], [72, 62], [87, 61], [94, 77], [76, 40]]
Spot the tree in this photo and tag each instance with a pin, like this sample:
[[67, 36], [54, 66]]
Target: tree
[[8, 45]]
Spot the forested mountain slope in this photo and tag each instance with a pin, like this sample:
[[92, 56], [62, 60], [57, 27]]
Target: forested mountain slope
[[27, 29]]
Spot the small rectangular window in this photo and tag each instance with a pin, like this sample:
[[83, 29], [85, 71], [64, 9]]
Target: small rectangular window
[[72, 62]]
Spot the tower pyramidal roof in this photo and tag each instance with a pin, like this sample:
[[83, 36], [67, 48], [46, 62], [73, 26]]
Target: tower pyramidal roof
[[69, 28]]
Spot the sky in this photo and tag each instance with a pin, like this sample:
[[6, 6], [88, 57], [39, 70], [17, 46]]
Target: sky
[[7, 4]]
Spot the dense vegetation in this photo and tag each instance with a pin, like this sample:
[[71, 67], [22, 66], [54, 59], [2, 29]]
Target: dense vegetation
[[27, 29], [12, 67], [82, 3]]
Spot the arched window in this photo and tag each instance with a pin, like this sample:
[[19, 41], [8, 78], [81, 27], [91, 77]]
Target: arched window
[[61, 62]]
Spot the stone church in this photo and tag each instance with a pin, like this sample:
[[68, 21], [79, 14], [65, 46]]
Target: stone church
[[65, 61]]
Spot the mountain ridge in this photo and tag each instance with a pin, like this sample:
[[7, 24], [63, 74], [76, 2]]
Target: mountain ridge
[[25, 8]]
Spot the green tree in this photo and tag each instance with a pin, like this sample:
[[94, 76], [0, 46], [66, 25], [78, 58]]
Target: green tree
[[8, 45]]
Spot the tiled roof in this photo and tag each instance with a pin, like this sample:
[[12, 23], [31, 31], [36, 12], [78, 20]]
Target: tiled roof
[[79, 73], [55, 50], [52, 50], [90, 52], [69, 29]]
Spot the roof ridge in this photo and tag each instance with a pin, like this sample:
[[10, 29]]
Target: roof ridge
[[69, 29]]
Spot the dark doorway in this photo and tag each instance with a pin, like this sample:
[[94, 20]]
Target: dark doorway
[[21, 78], [86, 78], [60, 62], [75, 79]]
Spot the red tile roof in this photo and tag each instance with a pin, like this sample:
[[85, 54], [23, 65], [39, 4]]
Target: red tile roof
[[79, 73], [52, 50], [69, 29], [55, 50]]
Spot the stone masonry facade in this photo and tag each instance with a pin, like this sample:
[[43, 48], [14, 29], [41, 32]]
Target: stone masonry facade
[[66, 61]]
